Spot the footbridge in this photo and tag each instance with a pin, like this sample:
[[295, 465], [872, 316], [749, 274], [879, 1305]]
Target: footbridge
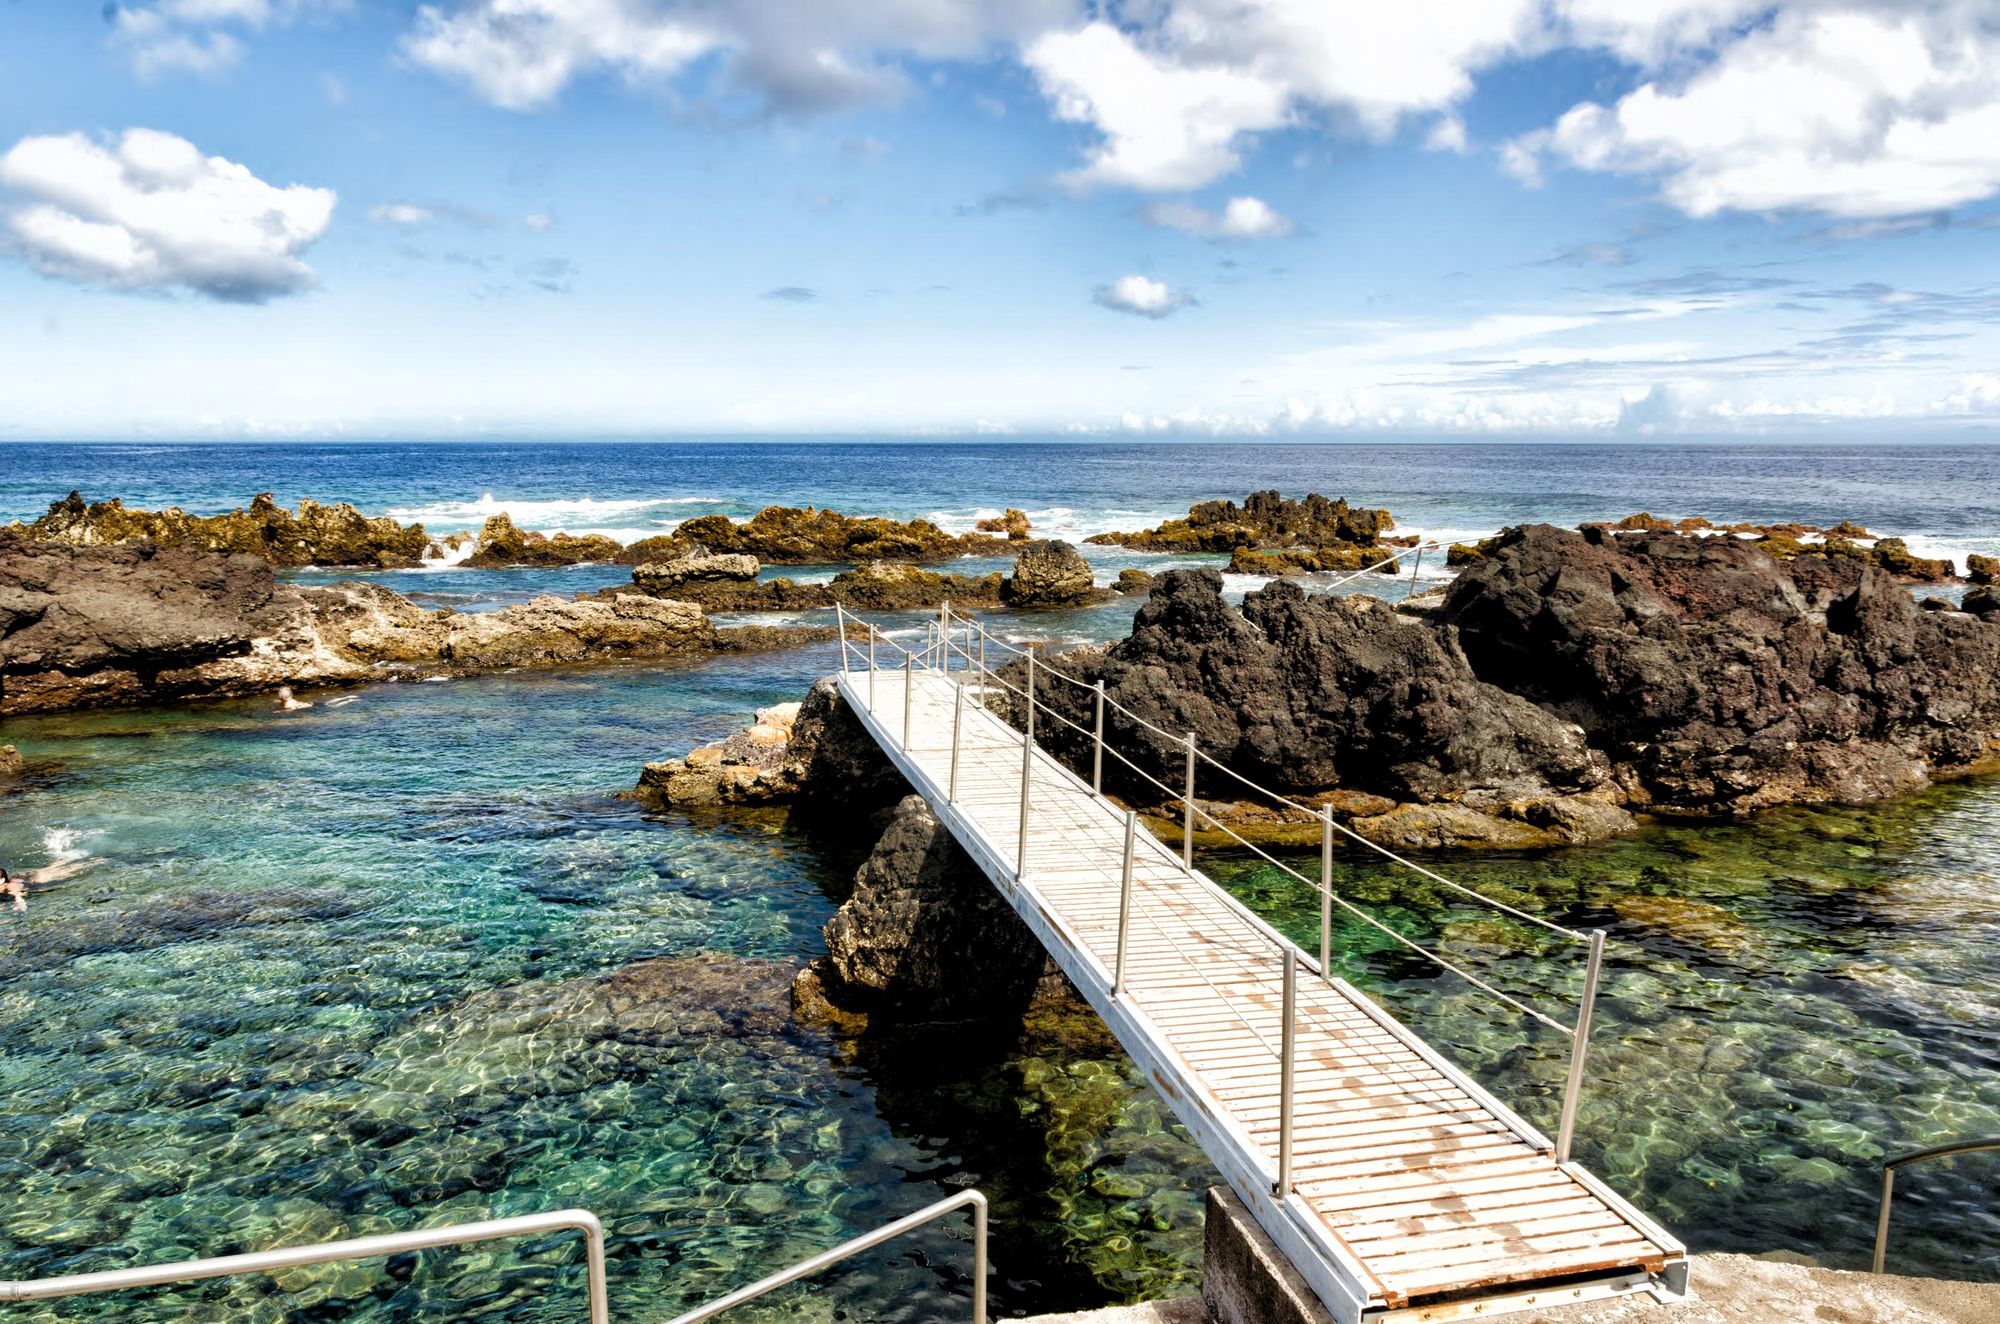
[[1399, 1187]]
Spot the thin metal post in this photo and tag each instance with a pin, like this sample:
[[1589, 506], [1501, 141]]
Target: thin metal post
[[1415, 565], [840, 621], [1027, 770], [1287, 1051], [1326, 891], [957, 721], [984, 680], [1882, 1218], [1187, 810], [944, 635], [909, 684], [1124, 902], [1579, 1047], [871, 666], [1097, 750]]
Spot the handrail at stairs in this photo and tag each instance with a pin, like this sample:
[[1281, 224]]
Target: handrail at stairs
[[1889, 1167], [954, 636], [358, 1248]]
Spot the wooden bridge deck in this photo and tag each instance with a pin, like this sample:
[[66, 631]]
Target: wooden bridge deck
[[1414, 1190]]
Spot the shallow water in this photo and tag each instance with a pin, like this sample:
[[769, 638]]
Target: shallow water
[[332, 973]]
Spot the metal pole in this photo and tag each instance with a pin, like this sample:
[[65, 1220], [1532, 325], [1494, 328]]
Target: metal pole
[[957, 720], [871, 666], [944, 634], [1097, 752], [1415, 566], [1579, 1046], [1124, 902], [909, 684], [1027, 768], [1882, 1218], [1326, 891], [1187, 810], [983, 680], [1287, 1050], [840, 621]]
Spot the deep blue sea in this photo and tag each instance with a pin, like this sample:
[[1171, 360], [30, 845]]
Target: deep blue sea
[[300, 988]]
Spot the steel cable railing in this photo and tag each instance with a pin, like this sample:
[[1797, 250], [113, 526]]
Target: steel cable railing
[[969, 645]]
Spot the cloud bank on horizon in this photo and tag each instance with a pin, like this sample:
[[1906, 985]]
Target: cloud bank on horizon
[[1442, 217]]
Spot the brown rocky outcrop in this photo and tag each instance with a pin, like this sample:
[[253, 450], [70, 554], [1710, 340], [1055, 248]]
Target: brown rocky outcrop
[[1014, 523], [1719, 680], [1132, 581], [1264, 520], [335, 535], [1982, 569], [501, 544], [12, 765], [139, 623], [791, 535], [1051, 574]]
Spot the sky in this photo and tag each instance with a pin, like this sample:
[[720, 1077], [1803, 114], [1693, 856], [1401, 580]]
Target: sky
[[1232, 218]]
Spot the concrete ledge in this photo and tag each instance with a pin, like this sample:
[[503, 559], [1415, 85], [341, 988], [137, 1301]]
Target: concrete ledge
[[1244, 1277], [1182, 1310]]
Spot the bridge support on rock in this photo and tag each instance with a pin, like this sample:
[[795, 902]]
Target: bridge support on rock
[[1395, 1186]]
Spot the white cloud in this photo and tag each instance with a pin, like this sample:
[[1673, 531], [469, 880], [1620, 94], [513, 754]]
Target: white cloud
[[1240, 218], [1142, 296], [1857, 112], [793, 58], [1447, 135], [150, 212], [538, 222], [193, 36], [401, 213]]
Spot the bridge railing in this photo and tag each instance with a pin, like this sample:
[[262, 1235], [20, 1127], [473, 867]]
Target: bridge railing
[[961, 646]]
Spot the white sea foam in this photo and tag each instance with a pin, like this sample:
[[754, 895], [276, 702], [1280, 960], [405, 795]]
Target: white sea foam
[[65, 844], [1065, 522], [568, 515]]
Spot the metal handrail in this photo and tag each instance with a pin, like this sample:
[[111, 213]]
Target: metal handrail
[[867, 1241], [1904, 1160], [942, 643], [358, 1248]]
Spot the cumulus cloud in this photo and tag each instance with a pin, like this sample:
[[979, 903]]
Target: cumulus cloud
[[1142, 297], [200, 36], [149, 212], [1240, 218], [1879, 110], [795, 59]]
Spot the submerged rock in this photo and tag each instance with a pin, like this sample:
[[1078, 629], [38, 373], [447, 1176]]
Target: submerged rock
[[12, 765], [336, 535], [1051, 574]]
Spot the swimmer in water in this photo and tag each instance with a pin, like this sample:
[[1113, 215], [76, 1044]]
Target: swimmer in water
[[288, 704], [15, 886]]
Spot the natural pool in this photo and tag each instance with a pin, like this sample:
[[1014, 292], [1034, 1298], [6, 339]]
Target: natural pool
[[342, 972]]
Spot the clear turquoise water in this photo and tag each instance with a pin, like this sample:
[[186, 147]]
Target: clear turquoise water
[[293, 997]]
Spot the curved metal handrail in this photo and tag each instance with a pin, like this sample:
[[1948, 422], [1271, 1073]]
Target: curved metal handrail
[[1904, 1160]]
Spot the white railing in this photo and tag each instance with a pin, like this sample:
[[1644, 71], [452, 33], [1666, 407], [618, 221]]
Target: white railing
[[358, 1248], [960, 647], [525, 1225]]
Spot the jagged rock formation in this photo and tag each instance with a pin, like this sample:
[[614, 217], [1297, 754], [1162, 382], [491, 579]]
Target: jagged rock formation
[[501, 544], [789, 535], [1014, 523], [140, 623], [1720, 680], [1133, 581], [1982, 569], [1267, 520], [12, 765], [924, 935], [336, 535], [1051, 574], [696, 570]]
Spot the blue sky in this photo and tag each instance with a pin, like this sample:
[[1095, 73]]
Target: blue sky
[[1171, 217]]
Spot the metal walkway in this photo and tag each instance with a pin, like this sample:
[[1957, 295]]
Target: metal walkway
[[1400, 1188]]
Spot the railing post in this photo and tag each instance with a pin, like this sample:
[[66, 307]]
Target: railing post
[[979, 1261], [1097, 749], [984, 680], [871, 666], [909, 685], [1124, 902], [840, 624], [1882, 1217], [1027, 771], [1326, 892], [1579, 1047], [1416, 564], [957, 721], [1287, 1050], [1187, 810]]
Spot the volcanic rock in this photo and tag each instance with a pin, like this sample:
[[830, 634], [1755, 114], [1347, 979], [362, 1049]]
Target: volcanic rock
[[1014, 523], [12, 765], [501, 544], [1982, 569], [1265, 519], [1050, 574], [697, 565], [1133, 581], [336, 535], [1720, 681], [789, 535]]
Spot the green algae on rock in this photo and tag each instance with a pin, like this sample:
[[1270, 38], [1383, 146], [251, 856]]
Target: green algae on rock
[[335, 535]]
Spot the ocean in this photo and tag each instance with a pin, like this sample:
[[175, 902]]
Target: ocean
[[301, 988]]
